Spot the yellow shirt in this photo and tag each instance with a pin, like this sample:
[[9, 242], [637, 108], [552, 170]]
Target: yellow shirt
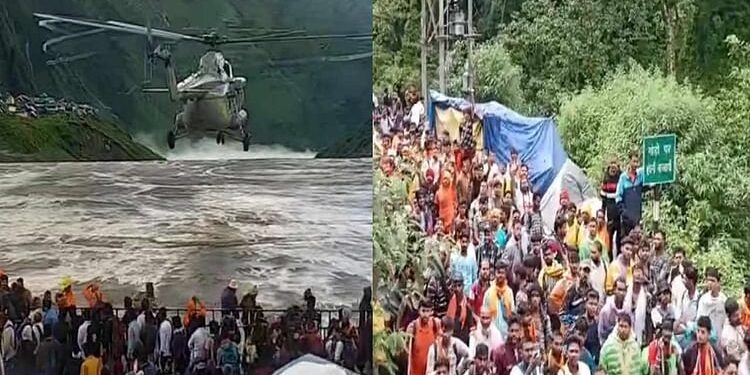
[[91, 366], [614, 271]]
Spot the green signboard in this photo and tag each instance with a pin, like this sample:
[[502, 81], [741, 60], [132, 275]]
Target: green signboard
[[660, 159]]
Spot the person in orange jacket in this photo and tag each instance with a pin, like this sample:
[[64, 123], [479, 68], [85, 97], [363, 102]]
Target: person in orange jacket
[[195, 309]]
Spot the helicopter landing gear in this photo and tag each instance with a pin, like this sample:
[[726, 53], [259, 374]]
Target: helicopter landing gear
[[171, 139], [246, 142]]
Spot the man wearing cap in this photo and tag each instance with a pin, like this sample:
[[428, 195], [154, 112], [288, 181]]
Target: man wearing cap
[[229, 299]]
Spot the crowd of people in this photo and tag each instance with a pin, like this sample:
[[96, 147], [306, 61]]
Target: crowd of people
[[51, 335], [594, 294]]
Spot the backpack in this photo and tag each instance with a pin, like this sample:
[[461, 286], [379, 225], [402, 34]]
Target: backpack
[[230, 355]]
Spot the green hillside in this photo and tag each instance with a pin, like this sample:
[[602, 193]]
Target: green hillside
[[63, 138], [304, 105]]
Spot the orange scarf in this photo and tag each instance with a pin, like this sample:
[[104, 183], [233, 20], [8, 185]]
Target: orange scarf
[[557, 362], [453, 307], [704, 364], [502, 291], [531, 332]]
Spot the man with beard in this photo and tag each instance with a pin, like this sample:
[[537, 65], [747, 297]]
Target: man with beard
[[499, 299], [597, 270], [459, 309], [509, 354], [608, 193], [423, 331], [620, 353], [485, 333], [478, 290]]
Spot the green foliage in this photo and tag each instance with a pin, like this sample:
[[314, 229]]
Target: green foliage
[[402, 263], [562, 46], [396, 46], [495, 76], [706, 211]]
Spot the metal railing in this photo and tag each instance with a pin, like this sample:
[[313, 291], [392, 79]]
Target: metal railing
[[216, 314]]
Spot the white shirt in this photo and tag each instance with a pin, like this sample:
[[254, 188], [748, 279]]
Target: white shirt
[[8, 347], [416, 113], [165, 339], [732, 340], [82, 330], [583, 369], [597, 278], [744, 366], [197, 343], [713, 307], [516, 370], [657, 316], [492, 338], [687, 309]]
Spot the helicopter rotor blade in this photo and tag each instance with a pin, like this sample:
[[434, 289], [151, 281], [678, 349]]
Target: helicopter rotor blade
[[294, 38], [116, 26]]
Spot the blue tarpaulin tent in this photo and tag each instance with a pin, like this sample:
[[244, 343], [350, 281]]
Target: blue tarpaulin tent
[[538, 144]]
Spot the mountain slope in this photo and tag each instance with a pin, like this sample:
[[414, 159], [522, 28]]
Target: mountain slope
[[63, 138]]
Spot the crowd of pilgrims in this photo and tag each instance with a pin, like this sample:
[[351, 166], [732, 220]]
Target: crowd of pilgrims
[[50, 335], [593, 294]]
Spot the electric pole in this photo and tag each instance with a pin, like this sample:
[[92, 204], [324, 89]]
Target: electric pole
[[469, 66], [442, 42], [423, 57]]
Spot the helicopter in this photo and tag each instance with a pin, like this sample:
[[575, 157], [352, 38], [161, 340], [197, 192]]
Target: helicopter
[[212, 98]]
